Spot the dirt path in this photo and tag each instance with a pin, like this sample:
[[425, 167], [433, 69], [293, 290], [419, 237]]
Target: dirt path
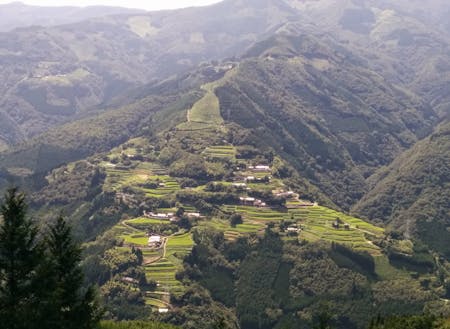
[[165, 247], [130, 227]]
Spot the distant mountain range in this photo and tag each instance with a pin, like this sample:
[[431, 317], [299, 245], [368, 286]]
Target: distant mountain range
[[19, 15]]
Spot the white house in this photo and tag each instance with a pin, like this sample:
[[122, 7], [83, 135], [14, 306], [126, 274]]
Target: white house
[[260, 168], [154, 241]]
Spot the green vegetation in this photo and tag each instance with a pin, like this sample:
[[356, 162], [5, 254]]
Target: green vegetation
[[134, 325], [411, 195], [40, 277], [206, 110]]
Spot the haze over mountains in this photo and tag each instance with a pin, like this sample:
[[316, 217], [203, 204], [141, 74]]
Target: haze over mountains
[[17, 14], [347, 101]]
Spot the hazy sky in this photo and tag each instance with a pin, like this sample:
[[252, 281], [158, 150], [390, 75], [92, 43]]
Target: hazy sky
[[144, 4]]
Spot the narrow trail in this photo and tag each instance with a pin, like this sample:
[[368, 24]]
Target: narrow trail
[[130, 227]]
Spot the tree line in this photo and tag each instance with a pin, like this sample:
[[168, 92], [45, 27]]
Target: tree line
[[41, 280]]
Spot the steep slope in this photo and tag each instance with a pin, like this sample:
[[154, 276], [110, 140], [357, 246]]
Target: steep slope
[[324, 110], [396, 40], [412, 195], [16, 14]]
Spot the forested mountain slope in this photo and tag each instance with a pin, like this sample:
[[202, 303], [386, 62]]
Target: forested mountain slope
[[333, 118], [413, 194]]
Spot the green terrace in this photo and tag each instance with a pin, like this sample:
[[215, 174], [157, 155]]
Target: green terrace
[[220, 152], [232, 233], [137, 177], [164, 270], [161, 265], [316, 223]]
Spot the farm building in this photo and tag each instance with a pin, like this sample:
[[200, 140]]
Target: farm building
[[293, 230], [259, 203], [154, 241], [253, 179], [127, 279], [247, 201], [260, 168], [193, 214], [288, 194], [161, 216]]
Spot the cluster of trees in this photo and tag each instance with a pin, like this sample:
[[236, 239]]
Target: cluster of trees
[[41, 281], [410, 322]]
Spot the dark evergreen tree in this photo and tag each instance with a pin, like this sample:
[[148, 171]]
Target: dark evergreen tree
[[21, 258], [71, 306]]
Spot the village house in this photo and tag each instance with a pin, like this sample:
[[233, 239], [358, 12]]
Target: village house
[[162, 216], [260, 168], [193, 214], [259, 203], [293, 230], [247, 201], [253, 179], [287, 195], [154, 241], [127, 279]]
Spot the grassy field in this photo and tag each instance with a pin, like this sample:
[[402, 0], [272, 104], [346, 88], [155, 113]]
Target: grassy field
[[207, 109]]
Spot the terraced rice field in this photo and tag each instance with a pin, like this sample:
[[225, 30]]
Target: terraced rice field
[[164, 270], [317, 224], [220, 152], [146, 221], [257, 214], [233, 232], [136, 239], [170, 186], [135, 177], [162, 264]]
